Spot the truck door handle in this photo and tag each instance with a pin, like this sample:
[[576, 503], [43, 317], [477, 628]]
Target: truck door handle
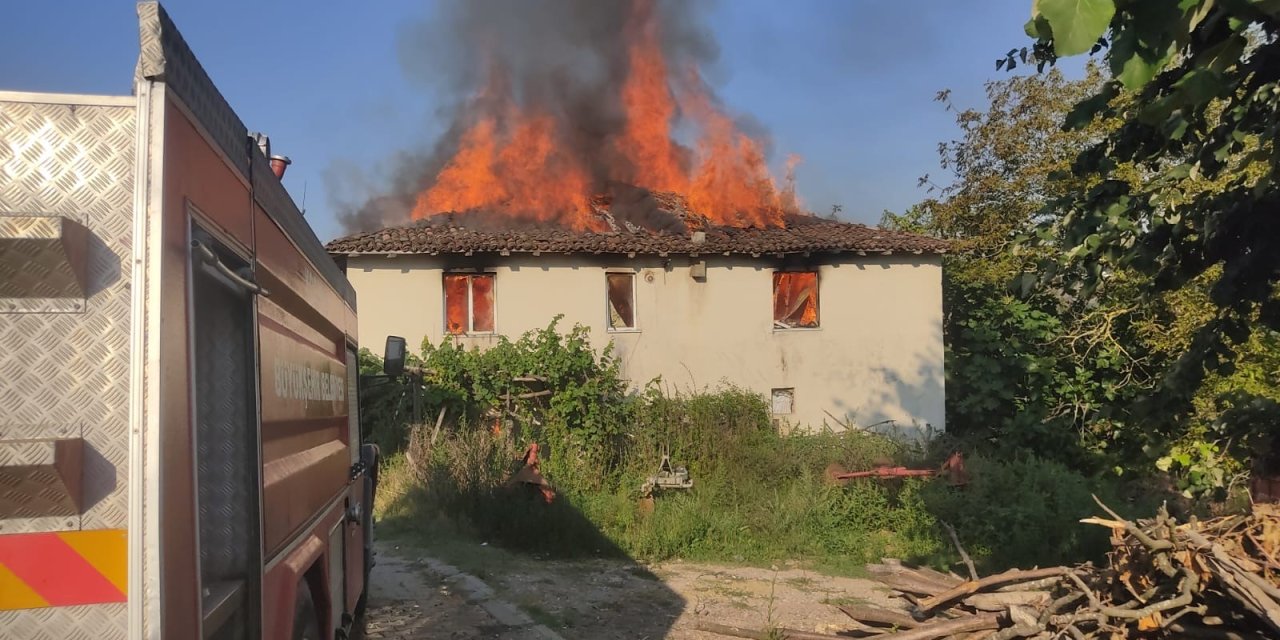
[[242, 279]]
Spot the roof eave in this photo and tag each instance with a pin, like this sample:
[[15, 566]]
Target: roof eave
[[536, 252]]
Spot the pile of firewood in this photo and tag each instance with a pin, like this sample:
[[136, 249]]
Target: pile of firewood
[[1216, 578]]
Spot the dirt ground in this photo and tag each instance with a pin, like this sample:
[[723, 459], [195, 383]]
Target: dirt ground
[[581, 600], [408, 602], [609, 599]]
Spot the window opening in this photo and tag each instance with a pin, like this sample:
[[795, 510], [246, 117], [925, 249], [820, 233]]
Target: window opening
[[468, 303], [782, 401], [621, 293], [795, 299]]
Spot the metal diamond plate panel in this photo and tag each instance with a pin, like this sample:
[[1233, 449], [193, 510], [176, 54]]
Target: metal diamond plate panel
[[150, 46], [227, 458], [41, 257], [33, 492], [89, 622], [28, 453], [41, 305], [67, 374], [40, 478], [73, 368]]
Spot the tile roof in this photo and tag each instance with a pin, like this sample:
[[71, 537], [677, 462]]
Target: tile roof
[[447, 234]]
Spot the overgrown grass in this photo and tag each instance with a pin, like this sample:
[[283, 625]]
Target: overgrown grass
[[757, 500], [760, 496]]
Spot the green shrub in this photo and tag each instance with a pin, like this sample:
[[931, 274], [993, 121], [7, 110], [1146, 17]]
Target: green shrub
[[1024, 511], [385, 406], [759, 497]]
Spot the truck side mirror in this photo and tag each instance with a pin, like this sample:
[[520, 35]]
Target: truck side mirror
[[393, 358]]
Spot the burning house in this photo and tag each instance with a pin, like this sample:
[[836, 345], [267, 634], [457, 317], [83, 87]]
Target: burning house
[[589, 172]]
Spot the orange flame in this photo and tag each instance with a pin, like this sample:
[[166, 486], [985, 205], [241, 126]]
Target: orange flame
[[469, 181], [515, 166], [539, 177], [650, 109], [732, 184], [514, 159]]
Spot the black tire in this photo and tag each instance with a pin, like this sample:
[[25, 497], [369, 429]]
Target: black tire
[[362, 604], [367, 523], [371, 456], [306, 622]]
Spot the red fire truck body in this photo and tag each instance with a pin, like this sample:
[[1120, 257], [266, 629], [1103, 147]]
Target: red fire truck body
[[180, 454]]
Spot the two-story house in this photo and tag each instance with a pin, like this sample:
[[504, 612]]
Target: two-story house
[[833, 322]]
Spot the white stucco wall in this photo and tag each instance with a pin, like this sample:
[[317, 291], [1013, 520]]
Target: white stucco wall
[[876, 357]]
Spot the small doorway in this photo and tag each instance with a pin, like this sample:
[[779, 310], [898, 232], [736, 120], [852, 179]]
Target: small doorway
[[224, 389]]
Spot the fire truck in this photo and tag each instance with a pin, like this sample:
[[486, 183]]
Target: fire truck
[[180, 453]]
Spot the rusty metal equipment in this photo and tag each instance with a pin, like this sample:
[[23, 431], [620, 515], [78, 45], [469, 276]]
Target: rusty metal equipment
[[668, 477], [530, 477], [953, 469]]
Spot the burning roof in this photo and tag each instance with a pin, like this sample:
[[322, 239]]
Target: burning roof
[[580, 126], [680, 233], [550, 103]]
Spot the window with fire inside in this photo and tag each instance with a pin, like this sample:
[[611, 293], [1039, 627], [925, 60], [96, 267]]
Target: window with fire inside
[[795, 300], [468, 304], [620, 291]]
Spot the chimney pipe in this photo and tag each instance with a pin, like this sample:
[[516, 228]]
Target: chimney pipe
[[279, 164]]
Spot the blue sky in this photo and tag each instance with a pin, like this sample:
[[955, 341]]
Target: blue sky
[[847, 84]]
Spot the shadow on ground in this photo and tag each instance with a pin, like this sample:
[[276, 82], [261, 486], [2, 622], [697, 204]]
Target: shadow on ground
[[407, 602], [548, 560]]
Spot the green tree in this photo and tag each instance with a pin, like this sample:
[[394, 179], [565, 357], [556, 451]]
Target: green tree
[[1053, 368], [1194, 90], [1042, 369], [1200, 122]]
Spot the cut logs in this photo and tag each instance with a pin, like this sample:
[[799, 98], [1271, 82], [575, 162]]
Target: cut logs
[[1216, 578]]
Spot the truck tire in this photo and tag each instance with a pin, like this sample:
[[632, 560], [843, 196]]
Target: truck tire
[[372, 457], [367, 522], [362, 603], [306, 622]]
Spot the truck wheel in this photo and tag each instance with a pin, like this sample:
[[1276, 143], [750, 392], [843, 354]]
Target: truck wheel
[[362, 602], [371, 456], [306, 623]]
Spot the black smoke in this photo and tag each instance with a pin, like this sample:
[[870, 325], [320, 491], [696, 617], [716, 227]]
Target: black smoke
[[567, 58]]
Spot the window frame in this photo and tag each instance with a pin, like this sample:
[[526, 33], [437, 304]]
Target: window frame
[[791, 392], [817, 292], [608, 312], [471, 320]]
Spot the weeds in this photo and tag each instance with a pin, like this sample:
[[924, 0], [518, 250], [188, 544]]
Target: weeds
[[770, 611], [760, 497]]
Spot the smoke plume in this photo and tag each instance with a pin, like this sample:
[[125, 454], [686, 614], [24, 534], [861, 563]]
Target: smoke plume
[[560, 105]]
